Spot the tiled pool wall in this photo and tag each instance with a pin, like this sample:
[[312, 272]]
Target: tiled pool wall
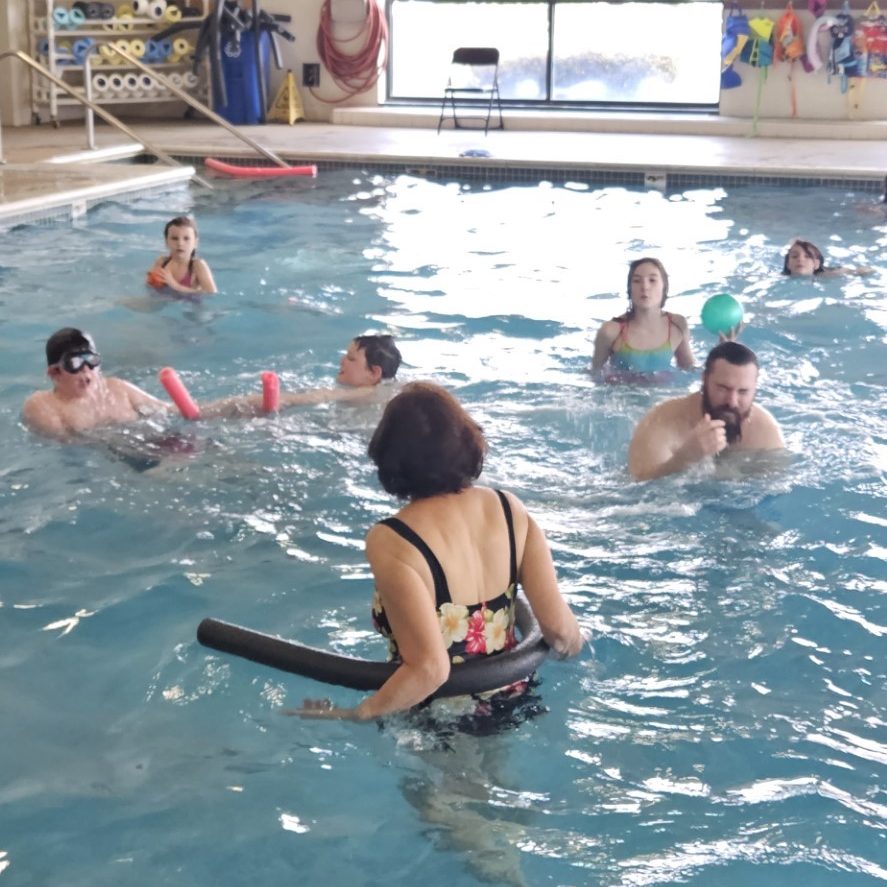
[[504, 172], [478, 172]]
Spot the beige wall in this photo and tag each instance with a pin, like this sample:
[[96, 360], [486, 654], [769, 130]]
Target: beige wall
[[14, 79], [347, 16], [816, 98]]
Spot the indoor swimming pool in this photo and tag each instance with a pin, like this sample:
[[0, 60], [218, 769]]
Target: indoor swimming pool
[[728, 721]]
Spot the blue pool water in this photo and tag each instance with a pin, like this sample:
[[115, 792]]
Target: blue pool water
[[730, 723]]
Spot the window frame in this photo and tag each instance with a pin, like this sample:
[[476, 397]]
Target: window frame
[[702, 108]]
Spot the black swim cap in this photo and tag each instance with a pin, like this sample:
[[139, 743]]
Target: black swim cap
[[67, 341]]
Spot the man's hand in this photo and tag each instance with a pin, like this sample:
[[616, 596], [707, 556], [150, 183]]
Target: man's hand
[[708, 437]]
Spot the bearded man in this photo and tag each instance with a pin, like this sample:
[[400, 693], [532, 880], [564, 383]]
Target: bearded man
[[721, 416]]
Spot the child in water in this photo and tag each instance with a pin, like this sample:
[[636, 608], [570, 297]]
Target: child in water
[[804, 259], [643, 341], [181, 270]]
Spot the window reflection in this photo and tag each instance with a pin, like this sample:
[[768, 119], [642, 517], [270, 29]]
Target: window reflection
[[623, 53]]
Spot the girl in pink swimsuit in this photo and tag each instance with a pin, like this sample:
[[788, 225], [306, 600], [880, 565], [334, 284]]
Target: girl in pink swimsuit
[[181, 270]]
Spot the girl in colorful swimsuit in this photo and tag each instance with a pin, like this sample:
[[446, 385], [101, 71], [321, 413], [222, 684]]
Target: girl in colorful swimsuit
[[447, 565], [641, 343], [181, 270]]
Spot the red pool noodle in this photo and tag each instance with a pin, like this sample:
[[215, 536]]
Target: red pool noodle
[[260, 171], [176, 389], [270, 392]]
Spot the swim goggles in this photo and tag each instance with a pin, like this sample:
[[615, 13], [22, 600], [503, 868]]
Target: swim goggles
[[73, 363]]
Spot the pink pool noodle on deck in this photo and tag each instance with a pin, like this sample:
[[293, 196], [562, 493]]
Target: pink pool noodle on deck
[[176, 389], [270, 392]]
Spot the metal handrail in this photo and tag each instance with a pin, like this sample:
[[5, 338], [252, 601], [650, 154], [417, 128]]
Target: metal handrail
[[199, 106], [107, 116]]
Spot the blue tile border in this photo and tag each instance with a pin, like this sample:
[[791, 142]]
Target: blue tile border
[[489, 172], [492, 172]]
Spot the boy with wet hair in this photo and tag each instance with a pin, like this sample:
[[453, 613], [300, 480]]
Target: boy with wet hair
[[82, 397]]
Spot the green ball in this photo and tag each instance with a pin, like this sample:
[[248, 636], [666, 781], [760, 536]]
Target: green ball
[[721, 313]]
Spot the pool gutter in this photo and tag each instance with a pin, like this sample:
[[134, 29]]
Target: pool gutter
[[56, 192]]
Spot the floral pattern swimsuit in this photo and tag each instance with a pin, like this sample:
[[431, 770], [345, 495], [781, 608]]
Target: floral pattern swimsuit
[[468, 631]]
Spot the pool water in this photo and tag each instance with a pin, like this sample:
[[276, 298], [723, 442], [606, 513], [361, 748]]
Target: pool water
[[727, 722]]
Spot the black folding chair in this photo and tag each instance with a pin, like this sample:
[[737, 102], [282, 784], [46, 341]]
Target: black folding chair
[[474, 74]]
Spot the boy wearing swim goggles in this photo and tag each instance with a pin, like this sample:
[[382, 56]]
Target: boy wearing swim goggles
[[82, 397], [73, 363]]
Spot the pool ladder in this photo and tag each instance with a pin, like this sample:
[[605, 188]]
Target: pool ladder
[[92, 108]]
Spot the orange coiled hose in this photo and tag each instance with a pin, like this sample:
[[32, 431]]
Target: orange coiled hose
[[353, 72]]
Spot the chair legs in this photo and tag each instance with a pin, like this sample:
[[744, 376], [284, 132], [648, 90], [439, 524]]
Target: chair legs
[[450, 94], [494, 93]]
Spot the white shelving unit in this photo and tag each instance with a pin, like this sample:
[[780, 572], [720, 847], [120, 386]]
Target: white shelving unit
[[113, 81]]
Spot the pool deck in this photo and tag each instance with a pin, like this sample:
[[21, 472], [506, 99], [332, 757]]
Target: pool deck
[[49, 173]]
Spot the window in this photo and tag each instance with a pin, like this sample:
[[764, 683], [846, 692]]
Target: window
[[563, 52]]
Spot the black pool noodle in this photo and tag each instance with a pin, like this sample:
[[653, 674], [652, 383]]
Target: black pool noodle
[[176, 27], [472, 676]]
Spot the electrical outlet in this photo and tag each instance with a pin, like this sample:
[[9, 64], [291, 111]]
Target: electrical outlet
[[311, 74]]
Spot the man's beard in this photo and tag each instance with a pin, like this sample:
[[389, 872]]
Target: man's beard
[[730, 416]]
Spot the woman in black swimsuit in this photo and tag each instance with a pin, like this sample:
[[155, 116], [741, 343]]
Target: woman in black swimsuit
[[447, 565]]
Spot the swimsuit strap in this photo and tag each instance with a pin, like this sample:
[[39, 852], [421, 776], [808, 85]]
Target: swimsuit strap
[[168, 259], [623, 328], [623, 334], [441, 589], [671, 323], [512, 547]]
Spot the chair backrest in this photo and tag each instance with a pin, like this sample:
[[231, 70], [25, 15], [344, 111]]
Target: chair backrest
[[476, 55]]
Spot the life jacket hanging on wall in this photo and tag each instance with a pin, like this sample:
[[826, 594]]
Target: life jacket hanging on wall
[[789, 44], [735, 37], [758, 53], [843, 60], [789, 47], [872, 41]]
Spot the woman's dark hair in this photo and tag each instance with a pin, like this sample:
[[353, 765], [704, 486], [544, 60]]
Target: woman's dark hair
[[634, 267], [811, 250], [426, 444]]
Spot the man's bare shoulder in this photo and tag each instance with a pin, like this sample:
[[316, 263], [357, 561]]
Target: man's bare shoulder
[[40, 413], [674, 408], [763, 431]]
